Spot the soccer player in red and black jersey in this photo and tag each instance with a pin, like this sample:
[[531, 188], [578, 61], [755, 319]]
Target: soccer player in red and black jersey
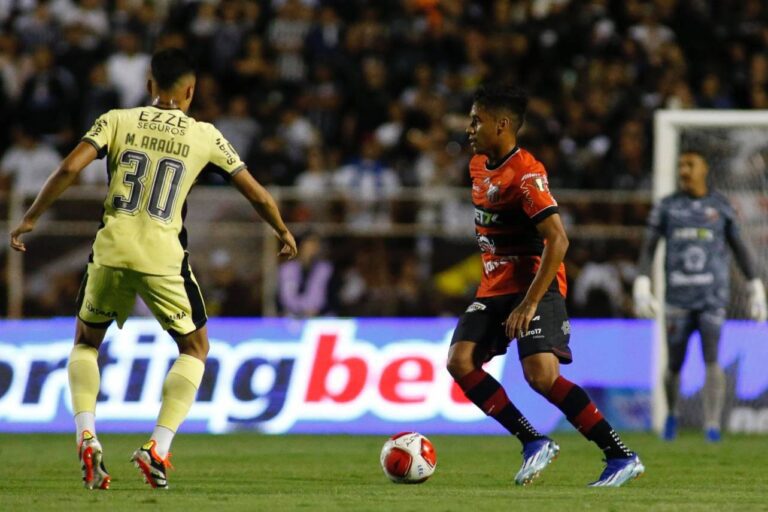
[[522, 292]]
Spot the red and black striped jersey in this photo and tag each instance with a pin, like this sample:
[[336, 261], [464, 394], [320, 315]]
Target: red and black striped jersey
[[510, 199]]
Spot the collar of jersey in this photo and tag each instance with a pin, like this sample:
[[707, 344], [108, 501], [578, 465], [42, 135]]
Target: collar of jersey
[[166, 108], [503, 160]]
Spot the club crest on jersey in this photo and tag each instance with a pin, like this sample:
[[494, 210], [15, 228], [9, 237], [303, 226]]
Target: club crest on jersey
[[486, 244], [476, 306], [492, 194], [711, 214]]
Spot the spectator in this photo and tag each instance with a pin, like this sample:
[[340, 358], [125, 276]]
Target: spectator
[[100, 97], [286, 34], [92, 17], [305, 289], [227, 38], [37, 27], [127, 70], [314, 185], [368, 186], [238, 126], [228, 293], [27, 164], [48, 98]]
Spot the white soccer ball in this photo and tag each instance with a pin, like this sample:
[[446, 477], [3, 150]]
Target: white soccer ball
[[408, 458]]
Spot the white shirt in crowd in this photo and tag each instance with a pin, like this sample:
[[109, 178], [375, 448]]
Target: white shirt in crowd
[[29, 167]]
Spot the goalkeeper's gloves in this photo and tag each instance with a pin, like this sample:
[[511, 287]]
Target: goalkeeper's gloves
[[646, 304], [758, 310]]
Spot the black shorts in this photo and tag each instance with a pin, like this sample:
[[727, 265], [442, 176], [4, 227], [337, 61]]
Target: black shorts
[[549, 330], [681, 323]]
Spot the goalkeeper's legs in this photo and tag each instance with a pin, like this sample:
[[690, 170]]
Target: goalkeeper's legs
[[710, 326], [680, 326], [672, 393], [714, 398]]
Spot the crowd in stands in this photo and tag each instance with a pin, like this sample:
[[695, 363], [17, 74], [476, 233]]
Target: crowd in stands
[[368, 99]]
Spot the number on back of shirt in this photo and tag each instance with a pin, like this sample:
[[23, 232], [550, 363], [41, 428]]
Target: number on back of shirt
[[163, 191]]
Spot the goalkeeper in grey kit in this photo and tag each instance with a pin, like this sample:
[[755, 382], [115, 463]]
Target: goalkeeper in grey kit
[[698, 225]]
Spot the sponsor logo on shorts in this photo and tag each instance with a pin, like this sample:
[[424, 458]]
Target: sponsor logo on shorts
[[476, 306], [536, 333], [98, 311], [566, 327], [176, 316]]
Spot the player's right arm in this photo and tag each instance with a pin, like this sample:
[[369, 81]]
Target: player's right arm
[[225, 157], [645, 303], [61, 179], [265, 206]]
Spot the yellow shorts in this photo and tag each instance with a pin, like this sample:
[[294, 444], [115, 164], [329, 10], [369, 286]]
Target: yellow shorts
[[109, 293]]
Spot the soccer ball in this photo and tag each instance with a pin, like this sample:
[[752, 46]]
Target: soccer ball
[[408, 458]]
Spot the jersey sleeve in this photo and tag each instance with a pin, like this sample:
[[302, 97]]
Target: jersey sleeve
[[224, 155], [101, 133], [536, 199], [741, 251], [657, 219], [654, 230]]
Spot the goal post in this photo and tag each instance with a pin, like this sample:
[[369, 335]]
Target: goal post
[[740, 142]]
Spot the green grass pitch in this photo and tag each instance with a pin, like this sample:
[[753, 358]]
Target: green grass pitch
[[328, 473]]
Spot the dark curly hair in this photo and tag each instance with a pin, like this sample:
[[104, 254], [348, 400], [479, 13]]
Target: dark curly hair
[[503, 97], [169, 65]]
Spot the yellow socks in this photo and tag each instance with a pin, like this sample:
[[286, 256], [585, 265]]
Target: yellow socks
[[83, 370], [179, 391]]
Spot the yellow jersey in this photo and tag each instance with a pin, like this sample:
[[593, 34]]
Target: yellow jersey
[[154, 156]]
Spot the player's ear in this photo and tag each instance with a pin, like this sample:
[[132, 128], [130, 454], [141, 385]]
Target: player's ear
[[502, 124]]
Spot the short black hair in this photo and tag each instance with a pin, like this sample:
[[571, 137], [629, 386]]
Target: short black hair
[[169, 65], [694, 150], [505, 97]]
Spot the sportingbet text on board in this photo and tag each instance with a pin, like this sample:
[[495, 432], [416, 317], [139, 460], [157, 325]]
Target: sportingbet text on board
[[328, 375]]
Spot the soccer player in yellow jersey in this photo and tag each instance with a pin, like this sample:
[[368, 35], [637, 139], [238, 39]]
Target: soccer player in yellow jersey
[[154, 155]]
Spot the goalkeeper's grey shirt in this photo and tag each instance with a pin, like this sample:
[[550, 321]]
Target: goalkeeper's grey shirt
[[697, 263]]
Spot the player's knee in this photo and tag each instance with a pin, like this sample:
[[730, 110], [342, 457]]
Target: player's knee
[[541, 382], [91, 337], [194, 344], [459, 365]]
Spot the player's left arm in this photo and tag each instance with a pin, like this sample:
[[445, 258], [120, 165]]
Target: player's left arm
[[59, 181], [758, 309], [264, 204], [555, 247]]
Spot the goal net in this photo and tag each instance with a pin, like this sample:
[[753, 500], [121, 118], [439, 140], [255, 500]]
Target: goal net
[[735, 144]]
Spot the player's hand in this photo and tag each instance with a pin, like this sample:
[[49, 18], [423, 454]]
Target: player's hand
[[646, 305], [520, 318], [25, 226], [288, 251], [758, 310]]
